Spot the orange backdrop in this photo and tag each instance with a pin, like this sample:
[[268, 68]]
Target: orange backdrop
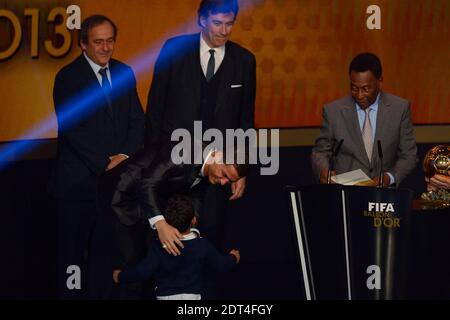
[[303, 48]]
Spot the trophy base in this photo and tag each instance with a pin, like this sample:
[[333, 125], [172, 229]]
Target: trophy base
[[439, 199]]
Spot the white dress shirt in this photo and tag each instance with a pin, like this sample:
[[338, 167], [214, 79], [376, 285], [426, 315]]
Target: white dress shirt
[[96, 68], [204, 55]]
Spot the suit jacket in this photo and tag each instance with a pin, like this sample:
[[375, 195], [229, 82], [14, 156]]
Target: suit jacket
[[88, 130], [149, 179], [393, 128], [175, 93]]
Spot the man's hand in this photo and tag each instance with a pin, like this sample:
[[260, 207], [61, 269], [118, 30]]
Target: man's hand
[[236, 254], [438, 181], [116, 275], [386, 180], [324, 176], [238, 188], [430, 187], [169, 237], [115, 160]]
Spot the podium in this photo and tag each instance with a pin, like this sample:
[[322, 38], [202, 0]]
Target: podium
[[352, 241]]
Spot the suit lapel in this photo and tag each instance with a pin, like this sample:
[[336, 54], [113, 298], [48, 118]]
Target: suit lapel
[[352, 123], [194, 68], [110, 110], [227, 70], [115, 74], [194, 176], [382, 121]]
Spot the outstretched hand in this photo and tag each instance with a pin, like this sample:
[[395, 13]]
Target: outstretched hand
[[438, 181], [116, 274], [386, 180], [238, 188], [236, 254], [324, 176], [115, 160]]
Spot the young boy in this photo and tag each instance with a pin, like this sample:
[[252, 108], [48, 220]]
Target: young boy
[[179, 277]]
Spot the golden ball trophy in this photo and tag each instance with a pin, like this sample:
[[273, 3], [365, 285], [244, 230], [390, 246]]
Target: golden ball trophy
[[437, 161]]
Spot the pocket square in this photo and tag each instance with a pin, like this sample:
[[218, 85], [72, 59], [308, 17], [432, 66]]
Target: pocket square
[[236, 86]]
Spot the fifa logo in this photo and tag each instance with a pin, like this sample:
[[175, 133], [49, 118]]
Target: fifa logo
[[381, 207], [382, 214]]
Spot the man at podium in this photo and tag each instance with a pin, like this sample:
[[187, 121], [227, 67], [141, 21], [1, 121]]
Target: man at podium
[[361, 123]]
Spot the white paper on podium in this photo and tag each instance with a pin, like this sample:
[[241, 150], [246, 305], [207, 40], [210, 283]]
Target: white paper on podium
[[351, 178]]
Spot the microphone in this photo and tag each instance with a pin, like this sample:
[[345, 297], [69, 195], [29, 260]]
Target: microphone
[[332, 158], [380, 155]]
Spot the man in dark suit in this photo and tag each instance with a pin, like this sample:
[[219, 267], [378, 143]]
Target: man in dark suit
[[146, 182], [152, 176], [361, 119], [100, 124], [205, 77]]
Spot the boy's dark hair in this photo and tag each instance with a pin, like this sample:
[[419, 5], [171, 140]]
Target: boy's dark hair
[[364, 62], [208, 7], [91, 22], [179, 212]]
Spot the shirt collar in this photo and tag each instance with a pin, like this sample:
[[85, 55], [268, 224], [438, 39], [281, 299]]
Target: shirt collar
[[93, 65], [204, 48], [193, 234]]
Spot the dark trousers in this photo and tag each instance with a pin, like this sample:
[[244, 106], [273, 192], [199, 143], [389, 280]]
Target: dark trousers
[[130, 243], [212, 227], [85, 243], [212, 217]]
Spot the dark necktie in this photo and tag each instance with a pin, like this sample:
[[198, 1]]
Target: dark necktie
[[106, 86], [211, 65]]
